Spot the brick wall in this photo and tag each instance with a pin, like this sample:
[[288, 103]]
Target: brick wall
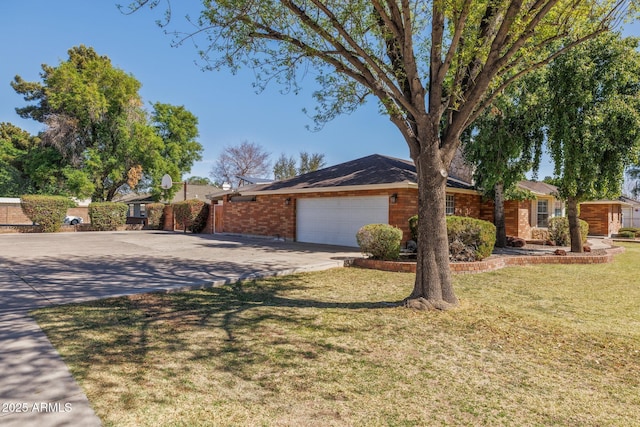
[[11, 214], [268, 215], [603, 219]]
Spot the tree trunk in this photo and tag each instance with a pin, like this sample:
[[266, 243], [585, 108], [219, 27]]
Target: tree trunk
[[498, 215], [574, 225], [433, 288]]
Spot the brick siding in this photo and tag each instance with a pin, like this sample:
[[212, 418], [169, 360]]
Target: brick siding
[[270, 215], [603, 219]]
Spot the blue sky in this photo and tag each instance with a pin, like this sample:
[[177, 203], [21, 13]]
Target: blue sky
[[36, 32]]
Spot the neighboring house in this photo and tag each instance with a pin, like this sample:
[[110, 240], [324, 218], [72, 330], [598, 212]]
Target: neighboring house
[[137, 202], [250, 180], [630, 212], [604, 216], [529, 219], [329, 205]]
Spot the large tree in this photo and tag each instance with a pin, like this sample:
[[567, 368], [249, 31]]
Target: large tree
[[505, 142], [432, 65], [593, 121], [97, 128]]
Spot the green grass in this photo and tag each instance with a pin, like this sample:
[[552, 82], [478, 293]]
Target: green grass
[[539, 345]]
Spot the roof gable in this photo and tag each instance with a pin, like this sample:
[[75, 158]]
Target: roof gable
[[539, 188]]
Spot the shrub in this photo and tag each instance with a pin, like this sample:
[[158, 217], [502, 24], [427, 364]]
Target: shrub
[[540, 234], [470, 239], [559, 231], [107, 216], [46, 211], [380, 241], [155, 215], [633, 230], [191, 214], [627, 234], [413, 227]]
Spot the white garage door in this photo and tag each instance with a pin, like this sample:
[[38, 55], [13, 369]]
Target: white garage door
[[336, 220]]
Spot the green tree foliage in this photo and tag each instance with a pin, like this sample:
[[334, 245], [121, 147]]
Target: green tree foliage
[[310, 162], [199, 180], [593, 121], [178, 129], [434, 66], [285, 167], [15, 144], [506, 142], [98, 139]]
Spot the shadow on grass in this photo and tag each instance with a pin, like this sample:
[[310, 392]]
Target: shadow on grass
[[235, 328]]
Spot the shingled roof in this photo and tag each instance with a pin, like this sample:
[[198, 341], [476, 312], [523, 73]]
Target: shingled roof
[[371, 170]]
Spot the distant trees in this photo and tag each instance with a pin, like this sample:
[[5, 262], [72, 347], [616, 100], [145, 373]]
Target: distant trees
[[285, 167], [199, 180], [98, 139], [246, 159]]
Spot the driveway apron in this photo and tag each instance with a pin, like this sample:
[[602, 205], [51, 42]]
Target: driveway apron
[[39, 270]]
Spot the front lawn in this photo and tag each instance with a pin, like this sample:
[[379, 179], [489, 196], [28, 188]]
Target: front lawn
[[540, 345]]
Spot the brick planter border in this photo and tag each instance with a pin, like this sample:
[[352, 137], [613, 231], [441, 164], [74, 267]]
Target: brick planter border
[[492, 263]]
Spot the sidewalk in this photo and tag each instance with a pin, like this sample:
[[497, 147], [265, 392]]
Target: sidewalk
[[38, 270]]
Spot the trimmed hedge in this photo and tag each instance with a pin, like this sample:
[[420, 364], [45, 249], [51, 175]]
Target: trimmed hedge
[[191, 214], [559, 231], [470, 239], [155, 216], [380, 241], [634, 230], [627, 234], [108, 216], [46, 211]]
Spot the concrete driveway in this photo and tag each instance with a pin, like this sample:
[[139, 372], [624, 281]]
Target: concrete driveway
[[37, 270]]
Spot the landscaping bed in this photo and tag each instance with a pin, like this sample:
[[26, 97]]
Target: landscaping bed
[[528, 255]]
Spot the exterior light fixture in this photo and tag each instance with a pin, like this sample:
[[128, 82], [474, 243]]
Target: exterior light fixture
[[394, 198]]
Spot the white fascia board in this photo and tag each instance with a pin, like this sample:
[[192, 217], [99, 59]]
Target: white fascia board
[[395, 186]]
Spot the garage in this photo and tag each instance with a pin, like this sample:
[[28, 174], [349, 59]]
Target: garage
[[336, 220]]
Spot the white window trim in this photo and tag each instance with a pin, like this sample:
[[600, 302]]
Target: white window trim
[[452, 198]]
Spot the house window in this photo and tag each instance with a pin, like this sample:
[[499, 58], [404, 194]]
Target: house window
[[143, 210], [558, 208], [132, 211], [543, 213], [450, 205]]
